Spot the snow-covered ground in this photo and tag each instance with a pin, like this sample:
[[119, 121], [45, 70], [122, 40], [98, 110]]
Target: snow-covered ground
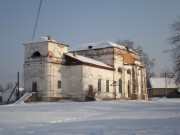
[[121, 117]]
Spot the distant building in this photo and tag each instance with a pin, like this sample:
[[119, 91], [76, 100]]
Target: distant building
[[102, 70], [158, 87]]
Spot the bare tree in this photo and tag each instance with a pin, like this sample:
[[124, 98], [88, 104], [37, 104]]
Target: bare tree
[[9, 85], [175, 51], [146, 60], [1, 88], [125, 42], [166, 73]]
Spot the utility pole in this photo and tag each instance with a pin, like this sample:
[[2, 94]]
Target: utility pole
[[16, 90], [166, 84], [18, 85]]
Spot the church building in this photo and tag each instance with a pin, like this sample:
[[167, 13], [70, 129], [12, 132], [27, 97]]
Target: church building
[[102, 70]]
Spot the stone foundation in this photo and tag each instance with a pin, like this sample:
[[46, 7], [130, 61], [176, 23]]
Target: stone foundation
[[134, 96]]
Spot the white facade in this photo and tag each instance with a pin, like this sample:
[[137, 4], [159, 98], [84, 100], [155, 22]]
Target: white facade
[[42, 66], [53, 73]]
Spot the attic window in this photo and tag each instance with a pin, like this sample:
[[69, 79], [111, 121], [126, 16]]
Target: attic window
[[129, 71], [127, 49], [119, 69], [36, 54]]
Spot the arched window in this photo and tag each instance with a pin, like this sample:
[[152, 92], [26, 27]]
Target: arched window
[[120, 85], [36, 54]]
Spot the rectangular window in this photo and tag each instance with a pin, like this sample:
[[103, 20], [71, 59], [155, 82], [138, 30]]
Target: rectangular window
[[59, 84], [120, 86], [99, 84], [90, 89], [34, 86], [107, 85]]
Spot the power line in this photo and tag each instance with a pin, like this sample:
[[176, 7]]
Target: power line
[[37, 18], [10, 76], [6, 77]]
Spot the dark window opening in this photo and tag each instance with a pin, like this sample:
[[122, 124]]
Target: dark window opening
[[120, 86], [36, 54], [99, 85], [107, 85], [129, 71], [90, 47], [91, 89], [129, 88], [119, 69], [34, 86], [59, 84]]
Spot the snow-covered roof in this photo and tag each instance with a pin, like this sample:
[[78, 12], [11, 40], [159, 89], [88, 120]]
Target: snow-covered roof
[[46, 39], [98, 45], [162, 82], [21, 89], [88, 60]]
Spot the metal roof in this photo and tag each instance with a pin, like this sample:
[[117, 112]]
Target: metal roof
[[99, 45], [88, 60], [162, 82]]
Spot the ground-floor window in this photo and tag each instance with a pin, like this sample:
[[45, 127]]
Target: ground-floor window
[[99, 84], [107, 85], [129, 88], [120, 85], [59, 84], [91, 89]]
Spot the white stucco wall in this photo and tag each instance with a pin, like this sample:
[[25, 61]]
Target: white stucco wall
[[45, 69], [72, 81], [91, 76], [76, 80]]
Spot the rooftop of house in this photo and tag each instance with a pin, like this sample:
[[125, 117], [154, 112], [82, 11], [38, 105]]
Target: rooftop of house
[[162, 82], [99, 45]]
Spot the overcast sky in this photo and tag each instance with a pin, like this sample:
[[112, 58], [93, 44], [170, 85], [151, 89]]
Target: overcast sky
[[74, 22]]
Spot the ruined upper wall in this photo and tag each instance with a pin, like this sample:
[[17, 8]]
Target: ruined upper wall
[[44, 49], [109, 53]]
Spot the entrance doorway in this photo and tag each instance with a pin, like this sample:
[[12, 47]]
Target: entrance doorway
[[34, 86]]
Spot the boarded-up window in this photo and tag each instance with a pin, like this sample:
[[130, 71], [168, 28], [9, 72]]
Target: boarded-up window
[[120, 86], [59, 84], [91, 89], [34, 86], [99, 84], [107, 85]]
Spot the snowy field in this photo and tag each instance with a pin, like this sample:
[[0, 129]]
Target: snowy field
[[121, 117]]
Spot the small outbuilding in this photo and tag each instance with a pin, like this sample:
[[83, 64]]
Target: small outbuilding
[[159, 87]]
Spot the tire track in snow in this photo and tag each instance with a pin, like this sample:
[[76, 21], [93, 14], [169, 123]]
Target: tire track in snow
[[75, 118]]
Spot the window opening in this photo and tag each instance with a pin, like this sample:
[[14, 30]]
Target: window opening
[[99, 84], [107, 85]]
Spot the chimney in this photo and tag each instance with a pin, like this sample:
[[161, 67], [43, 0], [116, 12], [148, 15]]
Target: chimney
[[49, 38], [90, 47], [127, 48], [74, 54]]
